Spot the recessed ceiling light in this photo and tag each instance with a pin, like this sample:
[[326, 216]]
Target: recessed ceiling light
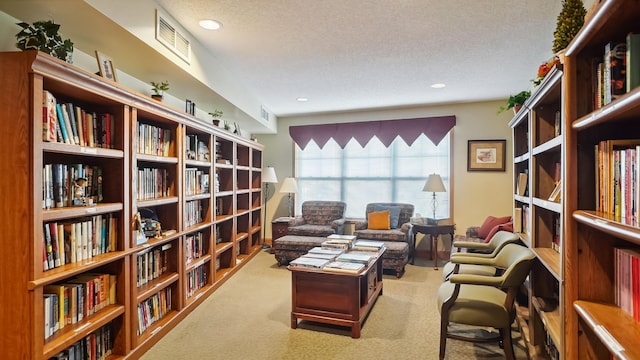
[[302, 99], [438, 86], [210, 24]]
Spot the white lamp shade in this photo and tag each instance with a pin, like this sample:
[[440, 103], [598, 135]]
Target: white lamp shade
[[434, 184], [269, 175], [289, 185]]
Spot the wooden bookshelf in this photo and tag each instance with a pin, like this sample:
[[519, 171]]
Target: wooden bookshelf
[[538, 148], [143, 166], [595, 326]]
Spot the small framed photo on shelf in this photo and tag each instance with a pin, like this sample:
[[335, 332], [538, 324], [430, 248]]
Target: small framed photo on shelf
[[486, 155], [105, 66]]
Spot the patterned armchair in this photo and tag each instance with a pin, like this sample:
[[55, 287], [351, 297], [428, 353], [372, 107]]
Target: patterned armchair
[[400, 229], [319, 218]]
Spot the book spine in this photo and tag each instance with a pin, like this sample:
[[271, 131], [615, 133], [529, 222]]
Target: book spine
[[61, 124]]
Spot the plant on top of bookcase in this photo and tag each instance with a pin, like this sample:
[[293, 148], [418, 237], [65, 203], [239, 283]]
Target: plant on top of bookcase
[[159, 88], [215, 116], [570, 21], [44, 36], [515, 101]]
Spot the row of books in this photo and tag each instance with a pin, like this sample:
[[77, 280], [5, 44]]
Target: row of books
[[96, 346], [70, 185], [617, 179], [196, 149], [193, 213], [196, 279], [75, 241], [618, 71], [76, 299], [153, 140], [193, 245], [70, 124], [153, 183], [196, 181], [627, 281], [153, 309], [152, 263]]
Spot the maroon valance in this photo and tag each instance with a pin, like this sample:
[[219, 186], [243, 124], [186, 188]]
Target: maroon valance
[[435, 128]]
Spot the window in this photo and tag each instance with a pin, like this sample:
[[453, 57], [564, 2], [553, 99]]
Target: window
[[360, 175]]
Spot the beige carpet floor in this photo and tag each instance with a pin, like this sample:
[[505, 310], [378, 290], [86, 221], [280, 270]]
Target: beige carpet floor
[[248, 317]]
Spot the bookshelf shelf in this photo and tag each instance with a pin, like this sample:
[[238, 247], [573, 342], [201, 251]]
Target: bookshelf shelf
[[595, 323], [134, 160], [538, 147]]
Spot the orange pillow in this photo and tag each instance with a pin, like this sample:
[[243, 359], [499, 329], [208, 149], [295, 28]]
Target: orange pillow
[[490, 223], [379, 220]]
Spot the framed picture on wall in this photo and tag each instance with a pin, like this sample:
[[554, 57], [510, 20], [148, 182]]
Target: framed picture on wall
[[105, 66], [486, 155]]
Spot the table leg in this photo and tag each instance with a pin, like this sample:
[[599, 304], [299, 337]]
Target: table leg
[[434, 251]]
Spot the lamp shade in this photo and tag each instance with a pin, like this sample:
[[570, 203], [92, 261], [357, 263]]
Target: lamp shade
[[269, 175], [289, 186], [434, 184]]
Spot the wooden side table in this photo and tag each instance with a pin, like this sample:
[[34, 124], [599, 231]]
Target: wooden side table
[[279, 228], [433, 231]]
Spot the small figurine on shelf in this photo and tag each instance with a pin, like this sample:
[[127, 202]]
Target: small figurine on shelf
[[79, 197]]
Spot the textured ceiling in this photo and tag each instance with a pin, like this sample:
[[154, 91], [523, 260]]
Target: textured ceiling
[[360, 54]]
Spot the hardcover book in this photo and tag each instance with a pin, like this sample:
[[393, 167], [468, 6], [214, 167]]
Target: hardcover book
[[341, 266], [633, 61]]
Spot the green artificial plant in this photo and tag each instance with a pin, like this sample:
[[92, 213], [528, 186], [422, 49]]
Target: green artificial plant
[[44, 36], [570, 21], [515, 100], [159, 88]]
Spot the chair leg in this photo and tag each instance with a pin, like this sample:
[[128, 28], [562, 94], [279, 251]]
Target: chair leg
[[443, 336], [507, 343]]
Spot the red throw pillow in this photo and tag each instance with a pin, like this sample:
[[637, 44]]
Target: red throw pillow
[[489, 224], [502, 227]]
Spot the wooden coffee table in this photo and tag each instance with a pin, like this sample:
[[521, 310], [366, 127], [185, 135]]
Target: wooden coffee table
[[335, 298]]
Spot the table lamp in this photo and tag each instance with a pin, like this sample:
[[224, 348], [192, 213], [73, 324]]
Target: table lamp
[[268, 177], [434, 184], [289, 186]]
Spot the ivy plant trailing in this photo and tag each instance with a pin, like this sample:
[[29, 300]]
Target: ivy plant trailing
[[44, 36]]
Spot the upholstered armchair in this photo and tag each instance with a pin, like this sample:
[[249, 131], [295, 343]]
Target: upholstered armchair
[[484, 301], [397, 229], [319, 218]]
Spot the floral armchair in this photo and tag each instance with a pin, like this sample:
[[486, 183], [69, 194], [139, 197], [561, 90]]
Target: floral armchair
[[399, 228], [319, 218]]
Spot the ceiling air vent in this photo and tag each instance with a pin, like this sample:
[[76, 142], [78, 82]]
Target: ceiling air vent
[[172, 37]]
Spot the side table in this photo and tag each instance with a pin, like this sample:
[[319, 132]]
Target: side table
[[433, 231], [279, 228]]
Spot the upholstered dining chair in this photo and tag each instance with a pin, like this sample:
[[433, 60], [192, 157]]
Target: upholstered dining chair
[[484, 301], [487, 250]]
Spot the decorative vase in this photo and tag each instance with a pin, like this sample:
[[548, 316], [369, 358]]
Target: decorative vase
[[156, 97], [216, 122], [516, 109]]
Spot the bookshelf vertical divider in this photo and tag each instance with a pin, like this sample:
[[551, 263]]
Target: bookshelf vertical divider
[[126, 154]]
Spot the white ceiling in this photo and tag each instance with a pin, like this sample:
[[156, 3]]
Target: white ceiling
[[359, 54], [344, 55]]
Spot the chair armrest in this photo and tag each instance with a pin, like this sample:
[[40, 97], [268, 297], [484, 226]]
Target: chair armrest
[[406, 227], [299, 220], [472, 231], [471, 279], [474, 254], [473, 245], [360, 225], [464, 258], [338, 226]]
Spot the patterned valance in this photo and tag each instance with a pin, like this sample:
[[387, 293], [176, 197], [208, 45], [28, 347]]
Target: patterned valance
[[435, 128]]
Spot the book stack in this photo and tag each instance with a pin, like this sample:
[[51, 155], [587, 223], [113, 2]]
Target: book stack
[[342, 266], [336, 241], [368, 246], [359, 257], [322, 253], [309, 262]]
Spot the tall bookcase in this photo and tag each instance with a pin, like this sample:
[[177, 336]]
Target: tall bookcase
[[596, 328], [201, 183], [538, 152]]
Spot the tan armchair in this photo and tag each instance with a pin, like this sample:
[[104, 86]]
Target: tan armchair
[[319, 218], [484, 301]]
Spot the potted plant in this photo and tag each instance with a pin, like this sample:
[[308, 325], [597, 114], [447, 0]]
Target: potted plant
[[516, 101], [227, 126], [159, 89], [44, 36], [215, 115]]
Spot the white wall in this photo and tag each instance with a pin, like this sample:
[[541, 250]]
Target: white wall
[[475, 194]]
